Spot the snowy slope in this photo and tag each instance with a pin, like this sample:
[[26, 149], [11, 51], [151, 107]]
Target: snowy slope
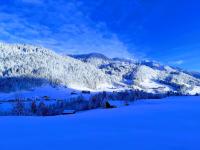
[[146, 75], [167, 124], [25, 67], [17, 61], [39, 92]]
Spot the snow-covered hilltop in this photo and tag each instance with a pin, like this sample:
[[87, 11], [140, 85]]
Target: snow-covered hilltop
[[24, 66], [25, 61], [144, 75]]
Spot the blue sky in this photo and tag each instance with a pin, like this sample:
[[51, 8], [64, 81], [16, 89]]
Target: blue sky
[[163, 30]]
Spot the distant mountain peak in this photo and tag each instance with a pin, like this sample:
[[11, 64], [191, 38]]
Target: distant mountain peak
[[90, 55]]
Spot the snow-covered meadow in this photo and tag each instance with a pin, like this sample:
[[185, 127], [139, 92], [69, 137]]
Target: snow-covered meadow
[[166, 124]]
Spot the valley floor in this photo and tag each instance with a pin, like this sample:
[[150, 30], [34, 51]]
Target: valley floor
[[167, 124]]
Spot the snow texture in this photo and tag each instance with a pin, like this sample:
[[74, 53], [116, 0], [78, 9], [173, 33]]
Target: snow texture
[[167, 124], [25, 67]]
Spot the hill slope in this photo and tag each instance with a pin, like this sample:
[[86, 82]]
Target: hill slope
[[24, 67], [145, 75], [45, 66]]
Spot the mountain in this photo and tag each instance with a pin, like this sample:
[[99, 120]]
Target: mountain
[[86, 57], [150, 76], [25, 67], [19, 63], [93, 58]]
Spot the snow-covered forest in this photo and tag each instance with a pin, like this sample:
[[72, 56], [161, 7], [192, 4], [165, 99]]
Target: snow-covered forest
[[37, 81], [22, 63]]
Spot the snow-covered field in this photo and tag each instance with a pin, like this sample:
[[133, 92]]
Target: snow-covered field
[[167, 124]]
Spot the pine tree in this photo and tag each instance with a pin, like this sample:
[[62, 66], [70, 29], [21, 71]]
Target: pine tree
[[33, 107], [42, 109]]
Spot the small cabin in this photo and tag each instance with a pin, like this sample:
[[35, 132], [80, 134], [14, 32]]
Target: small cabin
[[86, 92], [73, 93], [68, 112], [108, 105], [115, 103]]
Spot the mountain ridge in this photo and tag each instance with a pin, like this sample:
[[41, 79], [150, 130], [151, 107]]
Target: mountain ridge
[[92, 71]]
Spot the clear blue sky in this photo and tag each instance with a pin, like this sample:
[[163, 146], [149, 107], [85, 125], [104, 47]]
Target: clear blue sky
[[163, 30]]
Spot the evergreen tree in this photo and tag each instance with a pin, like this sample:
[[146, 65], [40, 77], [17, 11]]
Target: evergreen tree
[[42, 109], [33, 107]]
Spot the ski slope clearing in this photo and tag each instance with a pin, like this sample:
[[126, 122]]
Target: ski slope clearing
[[167, 124]]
